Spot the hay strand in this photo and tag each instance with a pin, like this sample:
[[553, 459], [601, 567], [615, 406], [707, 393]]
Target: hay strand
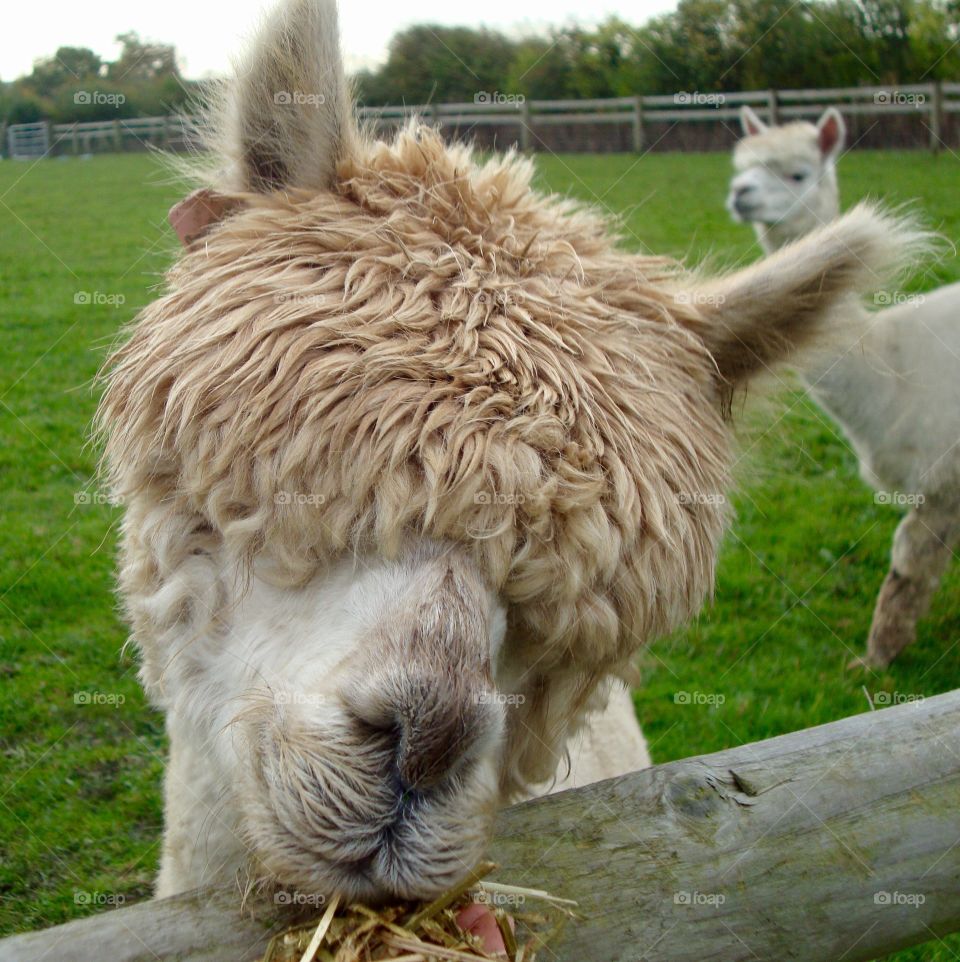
[[418, 932], [322, 928]]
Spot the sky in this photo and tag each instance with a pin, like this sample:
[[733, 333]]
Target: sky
[[206, 32]]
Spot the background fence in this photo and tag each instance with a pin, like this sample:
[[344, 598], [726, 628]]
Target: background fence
[[911, 116]]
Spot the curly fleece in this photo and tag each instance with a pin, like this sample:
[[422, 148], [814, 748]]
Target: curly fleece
[[429, 348]]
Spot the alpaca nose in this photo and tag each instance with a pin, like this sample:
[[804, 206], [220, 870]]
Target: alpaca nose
[[742, 200], [438, 732], [439, 724]]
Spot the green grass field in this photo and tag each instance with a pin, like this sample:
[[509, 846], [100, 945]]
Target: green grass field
[[80, 812]]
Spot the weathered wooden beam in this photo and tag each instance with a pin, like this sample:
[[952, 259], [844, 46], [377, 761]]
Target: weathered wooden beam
[[833, 844]]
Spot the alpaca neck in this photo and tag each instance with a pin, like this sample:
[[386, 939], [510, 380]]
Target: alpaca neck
[[859, 390], [847, 377], [848, 383]]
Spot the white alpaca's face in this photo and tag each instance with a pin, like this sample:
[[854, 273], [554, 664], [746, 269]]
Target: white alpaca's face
[[770, 188], [786, 175], [354, 726]]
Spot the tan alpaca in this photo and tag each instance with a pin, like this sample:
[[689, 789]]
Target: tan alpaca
[[414, 460], [893, 387]]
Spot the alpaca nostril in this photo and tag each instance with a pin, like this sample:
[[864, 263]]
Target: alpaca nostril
[[436, 740], [740, 192]]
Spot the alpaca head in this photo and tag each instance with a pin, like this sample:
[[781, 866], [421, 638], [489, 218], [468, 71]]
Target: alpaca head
[[786, 181], [414, 459]]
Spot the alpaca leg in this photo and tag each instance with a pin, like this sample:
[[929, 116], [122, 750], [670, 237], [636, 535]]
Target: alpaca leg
[[922, 548], [201, 845], [610, 744]]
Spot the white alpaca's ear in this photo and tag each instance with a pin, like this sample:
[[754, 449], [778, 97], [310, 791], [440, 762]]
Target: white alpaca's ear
[[750, 122], [831, 132], [286, 118]]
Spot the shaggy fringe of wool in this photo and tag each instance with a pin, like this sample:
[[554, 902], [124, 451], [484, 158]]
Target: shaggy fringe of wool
[[428, 349]]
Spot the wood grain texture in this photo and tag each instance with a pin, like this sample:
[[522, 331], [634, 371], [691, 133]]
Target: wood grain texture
[[834, 844]]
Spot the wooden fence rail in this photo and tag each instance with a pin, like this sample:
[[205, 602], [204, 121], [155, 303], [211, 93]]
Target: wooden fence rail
[[929, 102], [834, 844]]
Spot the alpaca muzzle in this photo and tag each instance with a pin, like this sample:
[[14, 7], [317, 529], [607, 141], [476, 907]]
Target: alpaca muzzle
[[345, 807], [743, 201]]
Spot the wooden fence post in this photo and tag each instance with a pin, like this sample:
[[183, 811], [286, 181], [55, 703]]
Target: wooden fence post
[[936, 116], [638, 124], [773, 106], [117, 137], [526, 126]]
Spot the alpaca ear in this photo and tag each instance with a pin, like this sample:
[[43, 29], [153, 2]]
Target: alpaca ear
[[756, 317], [286, 119], [831, 132], [750, 122], [193, 216]]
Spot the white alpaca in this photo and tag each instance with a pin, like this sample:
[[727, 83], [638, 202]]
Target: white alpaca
[[413, 461], [894, 390]]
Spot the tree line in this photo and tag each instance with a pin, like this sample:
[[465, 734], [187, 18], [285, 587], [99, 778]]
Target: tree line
[[703, 45], [75, 84]]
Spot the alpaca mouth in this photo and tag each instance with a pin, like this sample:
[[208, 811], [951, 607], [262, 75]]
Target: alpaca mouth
[[378, 840], [746, 211], [409, 860], [423, 850]]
